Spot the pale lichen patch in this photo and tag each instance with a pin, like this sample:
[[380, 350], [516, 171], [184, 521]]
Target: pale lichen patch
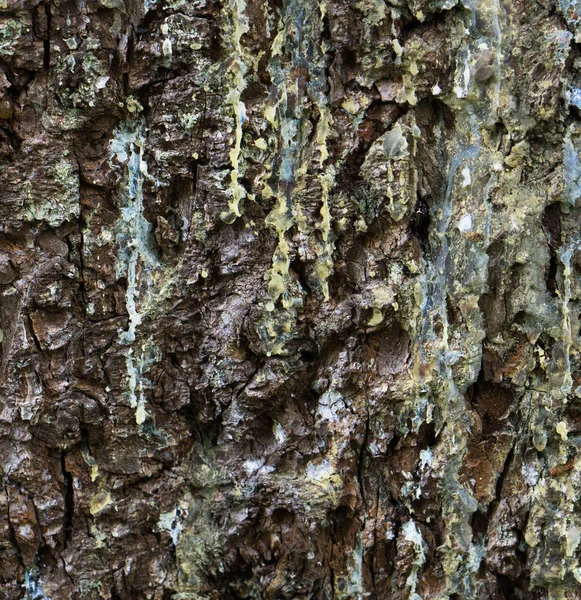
[[171, 522], [412, 534], [137, 261], [99, 502], [60, 202]]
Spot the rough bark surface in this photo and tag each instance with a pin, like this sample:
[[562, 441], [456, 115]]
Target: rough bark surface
[[289, 299]]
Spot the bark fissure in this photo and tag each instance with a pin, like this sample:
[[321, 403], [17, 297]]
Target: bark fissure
[[68, 499]]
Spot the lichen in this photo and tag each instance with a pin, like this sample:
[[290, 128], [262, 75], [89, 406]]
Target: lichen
[[352, 588], [100, 501], [60, 201], [136, 381], [412, 534], [147, 279], [387, 169], [171, 522], [567, 336], [10, 30], [33, 586], [572, 170], [134, 231], [199, 548]]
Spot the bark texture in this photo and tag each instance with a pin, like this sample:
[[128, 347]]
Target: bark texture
[[289, 299]]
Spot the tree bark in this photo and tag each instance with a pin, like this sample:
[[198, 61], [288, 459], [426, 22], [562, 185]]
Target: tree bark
[[289, 299]]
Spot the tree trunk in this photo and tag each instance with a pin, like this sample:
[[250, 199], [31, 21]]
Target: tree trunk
[[289, 298]]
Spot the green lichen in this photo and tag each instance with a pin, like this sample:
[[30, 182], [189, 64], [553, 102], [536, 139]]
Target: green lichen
[[60, 200], [199, 549], [148, 280], [388, 170], [10, 30]]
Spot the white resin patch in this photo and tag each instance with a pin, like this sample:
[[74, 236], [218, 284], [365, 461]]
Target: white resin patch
[[465, 223]]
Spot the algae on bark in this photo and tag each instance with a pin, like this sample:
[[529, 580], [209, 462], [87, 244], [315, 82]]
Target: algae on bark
[[289, 299]]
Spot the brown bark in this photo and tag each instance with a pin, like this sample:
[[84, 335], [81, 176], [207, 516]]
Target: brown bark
[[289, 299]]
